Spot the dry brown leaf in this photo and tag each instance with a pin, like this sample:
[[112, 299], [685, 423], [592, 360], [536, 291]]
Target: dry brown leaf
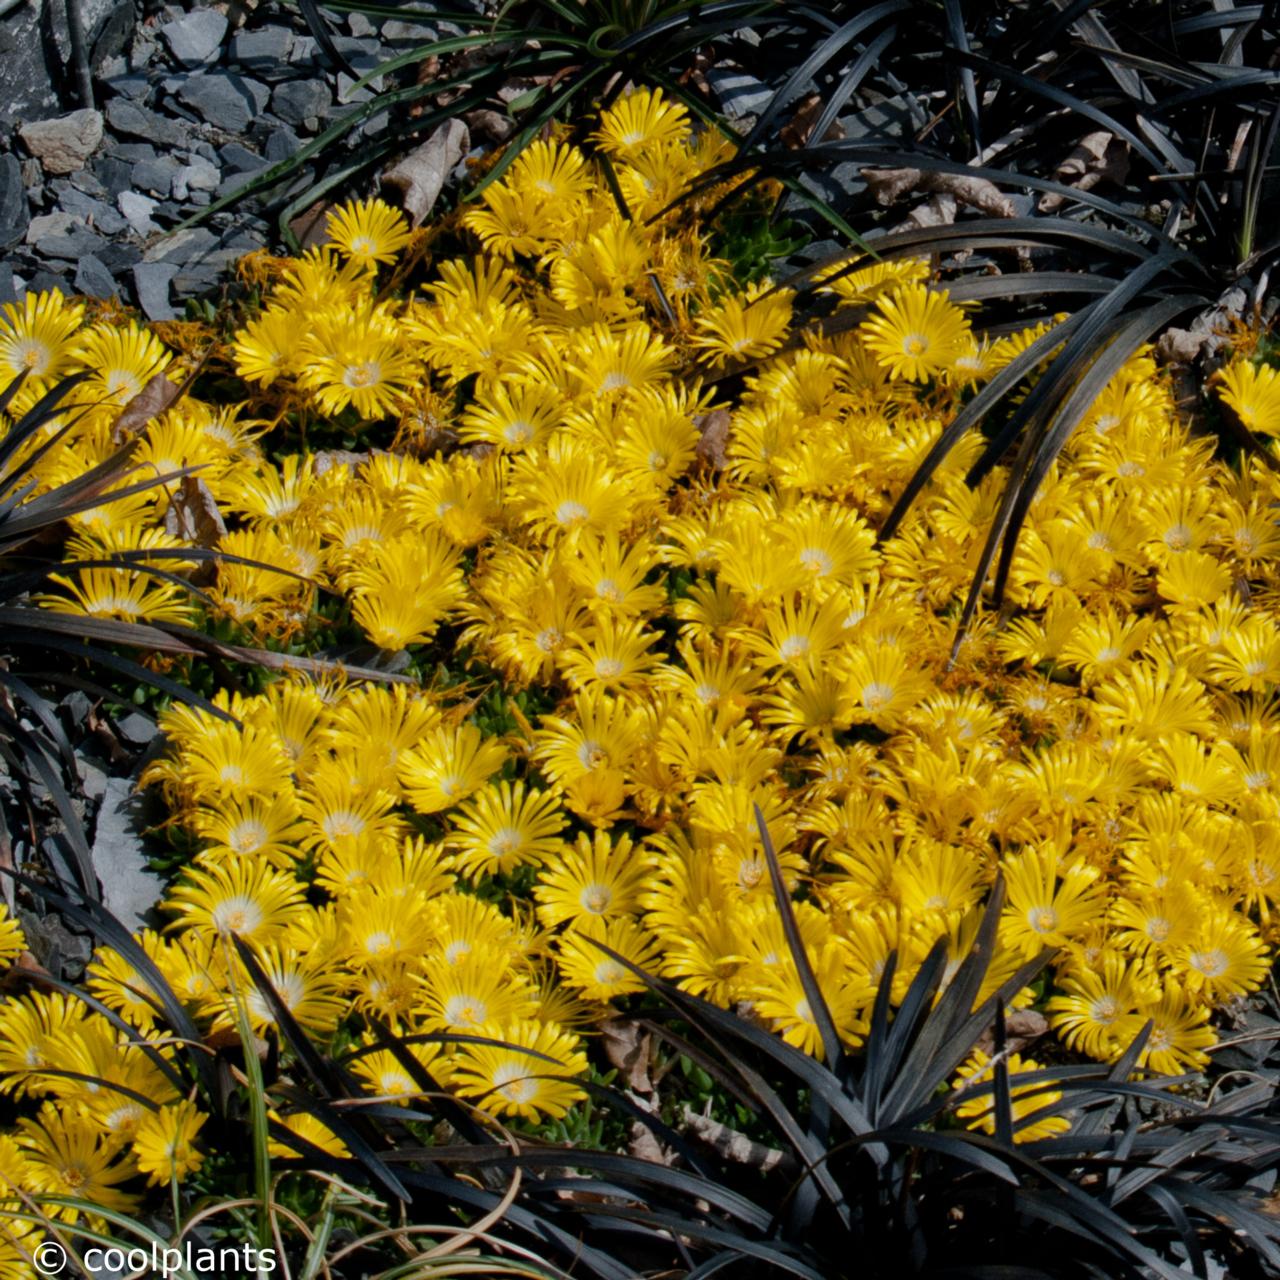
[[149, 403], [797, 132], [732, 1145], [193, 514], [629, 1048], [311, 226], [714, 427], [891, 185], [419, 178], [1097, 156], [1022, 1028]]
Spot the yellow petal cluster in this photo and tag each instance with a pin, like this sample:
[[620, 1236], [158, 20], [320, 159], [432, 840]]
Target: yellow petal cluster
[[679, 596]]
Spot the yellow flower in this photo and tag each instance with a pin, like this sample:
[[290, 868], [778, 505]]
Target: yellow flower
[[1027, 1099], [530, 1074], [744, 326], [504, 827], [639, 122], [1253, 391], [368, 231], [356, 358], [164, 1144], [918, 334]]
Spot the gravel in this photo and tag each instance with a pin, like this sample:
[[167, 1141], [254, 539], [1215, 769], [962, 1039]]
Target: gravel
[[195, 38], [191, 104]]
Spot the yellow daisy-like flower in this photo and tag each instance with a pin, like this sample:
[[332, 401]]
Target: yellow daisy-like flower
[[368, 231], [531, 1074], [918, 334], [744, 326], [640, 122], [1027, 1099], [164, 1143], [356, 358], [36, 336], [12, 942], [1253, 391], [504, 827], [122, 361]]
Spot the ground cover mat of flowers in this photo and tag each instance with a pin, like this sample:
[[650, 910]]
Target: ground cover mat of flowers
[[643, 599]]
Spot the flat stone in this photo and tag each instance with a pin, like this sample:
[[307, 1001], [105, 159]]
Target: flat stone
[[49, 224], [133, 121], [359, 25], [93, 779], [94, 280], [740, 95], [239, 159], [133, 152], [118, 257], [199, 175], [114, 173], [97, 214], [73, 245], [137, 210], [282, 143], [129, 889], [264, 52], [136, 728], [182, 246], [152, 280], [14, 214], [225, 100], [84, 180], [196, 37], [397, 32], [155, 176], [304, 50], [113, 36], [63, 143], [131, 85], [297, 101]]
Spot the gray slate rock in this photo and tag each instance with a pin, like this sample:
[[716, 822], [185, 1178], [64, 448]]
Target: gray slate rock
[[116, 175], [134, 121], [63, 143], [49, 224], [182, 246], [298, 101], [198, 176], [129, 889], [282, 142], [14, 214], [152, 281], [264, 52], [131, 85], [155, 176], [73, 245], [137, 210], [196, 37], [133, 152], [740, 95], [225, 100], [94, 280], [239, 159], [83, 180], [137, 728]]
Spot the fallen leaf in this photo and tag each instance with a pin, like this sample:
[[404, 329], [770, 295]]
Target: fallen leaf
[[419, 178], [891, 185], [798, 131], [714, 428], [628, 1048], [732, 1145], [311, 227], [193, 515], [1097, 156], [157, 396], [1022, 1028]]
